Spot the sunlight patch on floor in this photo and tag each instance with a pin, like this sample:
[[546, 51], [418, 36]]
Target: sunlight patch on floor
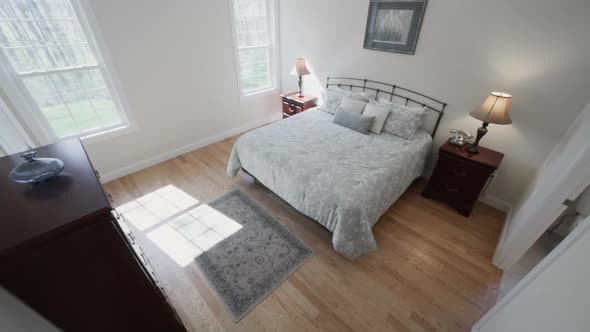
[[183, 237], [157, 206], [187, 236]]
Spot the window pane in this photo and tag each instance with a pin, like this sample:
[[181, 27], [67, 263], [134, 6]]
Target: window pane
[[67, 32], [105, 108], [11, 34], [53, 108], [100, 99], [92, 79], [251, 22], [254, 68], [40, 87], [64, 126], [44, 43], [58, 116], [68, 82], [24, 60], [82, 111]]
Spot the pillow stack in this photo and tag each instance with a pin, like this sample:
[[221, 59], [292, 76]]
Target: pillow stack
[[332, 98], [358, 111]]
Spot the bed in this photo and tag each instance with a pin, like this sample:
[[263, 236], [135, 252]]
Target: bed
[[340, 178]]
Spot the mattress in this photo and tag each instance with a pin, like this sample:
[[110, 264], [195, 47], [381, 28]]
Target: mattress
[[342, 179]]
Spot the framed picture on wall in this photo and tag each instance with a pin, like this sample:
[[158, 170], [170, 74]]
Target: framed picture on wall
[[394, 26]]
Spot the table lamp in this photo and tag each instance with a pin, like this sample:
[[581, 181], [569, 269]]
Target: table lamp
[[495, 109], [300, 69]]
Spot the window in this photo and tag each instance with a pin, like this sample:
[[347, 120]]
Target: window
[[45, 47], [254, 42]]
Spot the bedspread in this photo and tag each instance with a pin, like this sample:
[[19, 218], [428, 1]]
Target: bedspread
[[342, 179]]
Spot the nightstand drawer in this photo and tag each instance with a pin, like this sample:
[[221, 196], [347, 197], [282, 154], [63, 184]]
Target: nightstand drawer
[[456, 177], [460, 170], [290, 109]]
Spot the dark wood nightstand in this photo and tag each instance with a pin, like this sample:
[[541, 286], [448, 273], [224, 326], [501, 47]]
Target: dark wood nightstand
[[293, 104], [459, 176]]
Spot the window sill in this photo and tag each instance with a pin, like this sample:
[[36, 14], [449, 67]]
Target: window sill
[[107, 134], [258, 94]]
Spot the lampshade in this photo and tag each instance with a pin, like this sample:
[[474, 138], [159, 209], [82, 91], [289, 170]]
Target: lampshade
[[300, 69], [495, 109]]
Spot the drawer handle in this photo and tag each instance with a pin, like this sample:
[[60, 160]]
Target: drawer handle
[[131, 237], [110, 198], [145, 260], [97, 174], [458, 173]]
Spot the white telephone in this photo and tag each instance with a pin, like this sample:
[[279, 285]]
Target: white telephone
[[460, 137]]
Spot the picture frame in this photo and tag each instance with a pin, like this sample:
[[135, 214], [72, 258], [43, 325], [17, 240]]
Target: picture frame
[[394, 26]]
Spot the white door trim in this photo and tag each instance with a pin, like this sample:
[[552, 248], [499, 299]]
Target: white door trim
[[563, 175]]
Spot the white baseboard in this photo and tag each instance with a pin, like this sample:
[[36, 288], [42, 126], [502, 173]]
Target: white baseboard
[[496, 260], [492, 201], [110, 176], [496, 202]]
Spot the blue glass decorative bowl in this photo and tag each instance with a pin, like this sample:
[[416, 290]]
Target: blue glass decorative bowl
[[36, 170]]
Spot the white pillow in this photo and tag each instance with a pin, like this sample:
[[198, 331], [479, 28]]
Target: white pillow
[[385, 101], [358, 95], [353, 105], [380, 112], [403, 121]]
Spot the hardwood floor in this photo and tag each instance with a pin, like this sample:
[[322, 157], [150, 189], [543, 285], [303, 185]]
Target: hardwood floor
[[432, 270]]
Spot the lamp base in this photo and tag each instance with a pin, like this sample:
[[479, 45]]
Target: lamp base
[[481, 131], [473, 149], [300, 82]]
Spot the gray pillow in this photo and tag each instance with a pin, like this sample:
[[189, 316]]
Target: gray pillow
[[354, 121], [402, 121]]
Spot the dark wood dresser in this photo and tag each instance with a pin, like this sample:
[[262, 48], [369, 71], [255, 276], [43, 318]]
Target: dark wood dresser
[[63, 252], [293, 104], [459, 176]]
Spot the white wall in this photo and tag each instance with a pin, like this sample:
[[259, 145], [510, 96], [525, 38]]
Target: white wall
[[535, 49], [176, 65], [554, 297]]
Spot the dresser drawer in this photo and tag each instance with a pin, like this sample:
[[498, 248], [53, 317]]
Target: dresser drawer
[[134, 245]]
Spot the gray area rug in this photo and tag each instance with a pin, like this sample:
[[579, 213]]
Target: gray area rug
[[247, 266]]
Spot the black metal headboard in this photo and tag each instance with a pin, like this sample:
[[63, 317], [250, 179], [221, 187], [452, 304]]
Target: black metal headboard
[[393, 93]]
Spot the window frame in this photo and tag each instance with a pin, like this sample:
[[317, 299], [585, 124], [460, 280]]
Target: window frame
[[15, 139], [273, 50], [31, 112]]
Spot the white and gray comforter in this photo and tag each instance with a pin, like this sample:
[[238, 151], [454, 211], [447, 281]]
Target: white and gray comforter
[[340, 178]]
